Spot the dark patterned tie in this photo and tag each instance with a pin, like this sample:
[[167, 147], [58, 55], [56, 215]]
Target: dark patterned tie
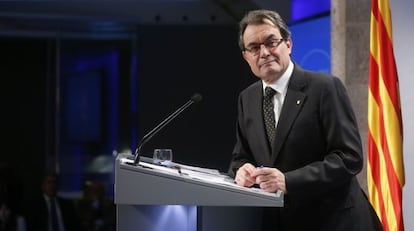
[[269, 114], [53, 215]]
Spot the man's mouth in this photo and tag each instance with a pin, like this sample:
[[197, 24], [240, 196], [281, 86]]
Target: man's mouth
[[267, 62]]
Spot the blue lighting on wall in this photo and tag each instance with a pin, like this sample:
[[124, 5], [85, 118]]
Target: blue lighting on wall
[[89, 117], [310, 27], [134, 93], [303, 9], [83, 106], [311, 44]]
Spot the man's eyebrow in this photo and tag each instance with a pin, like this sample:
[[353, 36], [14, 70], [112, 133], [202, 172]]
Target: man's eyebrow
[[271, 36]]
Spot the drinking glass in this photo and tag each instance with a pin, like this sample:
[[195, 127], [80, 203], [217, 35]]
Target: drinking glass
[[162, 156]]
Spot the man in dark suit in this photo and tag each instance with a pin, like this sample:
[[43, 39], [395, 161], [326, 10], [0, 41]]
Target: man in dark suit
[[41, 214], [310, 146]]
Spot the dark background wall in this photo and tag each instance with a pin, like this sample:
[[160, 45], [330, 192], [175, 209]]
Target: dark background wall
[[172, 63], [176, 62], [24, 92]]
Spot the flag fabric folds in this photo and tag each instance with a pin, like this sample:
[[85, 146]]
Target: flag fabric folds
[[385, 167]]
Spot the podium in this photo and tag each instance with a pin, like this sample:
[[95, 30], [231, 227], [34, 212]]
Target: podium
[[153, 197]]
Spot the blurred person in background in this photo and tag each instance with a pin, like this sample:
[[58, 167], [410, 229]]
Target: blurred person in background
[[49, 212], [95, 211]]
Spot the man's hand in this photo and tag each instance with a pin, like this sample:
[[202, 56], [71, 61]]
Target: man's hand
[[269, 179], [244, 175]]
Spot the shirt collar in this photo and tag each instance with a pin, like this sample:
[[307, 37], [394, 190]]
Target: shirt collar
[[280, 85]]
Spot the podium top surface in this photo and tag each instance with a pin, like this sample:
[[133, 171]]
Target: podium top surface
[[148, 183]]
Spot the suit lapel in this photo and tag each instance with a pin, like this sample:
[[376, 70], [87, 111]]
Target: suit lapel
[[292, 105]]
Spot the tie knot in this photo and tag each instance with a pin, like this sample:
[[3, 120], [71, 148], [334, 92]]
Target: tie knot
[[269, 92]]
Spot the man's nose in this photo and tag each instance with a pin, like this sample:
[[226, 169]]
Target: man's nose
[[265, 51]]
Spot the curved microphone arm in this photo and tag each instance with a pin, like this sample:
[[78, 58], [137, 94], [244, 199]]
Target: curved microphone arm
[[194, 99]]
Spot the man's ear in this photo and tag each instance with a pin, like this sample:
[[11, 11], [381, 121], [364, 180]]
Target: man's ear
[[244, 56], [289, 43]]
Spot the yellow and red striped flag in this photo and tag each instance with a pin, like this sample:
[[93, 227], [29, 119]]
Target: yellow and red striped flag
[[385, 171]]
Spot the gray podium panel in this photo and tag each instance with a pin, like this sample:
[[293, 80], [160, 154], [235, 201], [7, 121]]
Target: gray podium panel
[[157, 218], [155, 198], [187, 218]]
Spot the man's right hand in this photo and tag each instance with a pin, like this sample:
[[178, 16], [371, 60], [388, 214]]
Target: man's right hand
[[244, 175]]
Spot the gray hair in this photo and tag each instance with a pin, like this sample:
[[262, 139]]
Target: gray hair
[[257, 17]]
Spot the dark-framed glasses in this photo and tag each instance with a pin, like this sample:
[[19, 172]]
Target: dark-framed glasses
[[270, 44]]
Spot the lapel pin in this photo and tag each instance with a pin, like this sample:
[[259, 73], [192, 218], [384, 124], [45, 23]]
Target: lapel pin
[[297, 102]]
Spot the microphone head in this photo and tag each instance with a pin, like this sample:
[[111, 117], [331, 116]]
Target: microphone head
[[196, 98]]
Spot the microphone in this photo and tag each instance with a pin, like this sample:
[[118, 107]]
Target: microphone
[[194, 99]]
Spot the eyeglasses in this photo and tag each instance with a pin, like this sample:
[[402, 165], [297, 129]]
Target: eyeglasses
[[270, 44]]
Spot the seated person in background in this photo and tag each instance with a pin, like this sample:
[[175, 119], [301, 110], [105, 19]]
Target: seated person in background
[[49, 212], [95, 211]]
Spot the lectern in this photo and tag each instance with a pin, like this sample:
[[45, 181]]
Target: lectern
[[201, 197]]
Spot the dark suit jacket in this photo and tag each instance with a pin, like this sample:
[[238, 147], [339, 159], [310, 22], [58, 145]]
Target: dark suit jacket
[[317, 147], [37, 214]]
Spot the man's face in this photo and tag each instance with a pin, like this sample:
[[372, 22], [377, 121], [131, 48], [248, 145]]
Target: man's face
[[49, 186], [267, 55]]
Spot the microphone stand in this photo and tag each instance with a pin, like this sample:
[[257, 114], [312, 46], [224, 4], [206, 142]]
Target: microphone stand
[[194, 99]]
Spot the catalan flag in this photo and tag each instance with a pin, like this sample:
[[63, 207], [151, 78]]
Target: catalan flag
[[385, 171]]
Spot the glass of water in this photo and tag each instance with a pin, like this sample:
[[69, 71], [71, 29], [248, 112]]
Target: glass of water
[[162, 156]]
